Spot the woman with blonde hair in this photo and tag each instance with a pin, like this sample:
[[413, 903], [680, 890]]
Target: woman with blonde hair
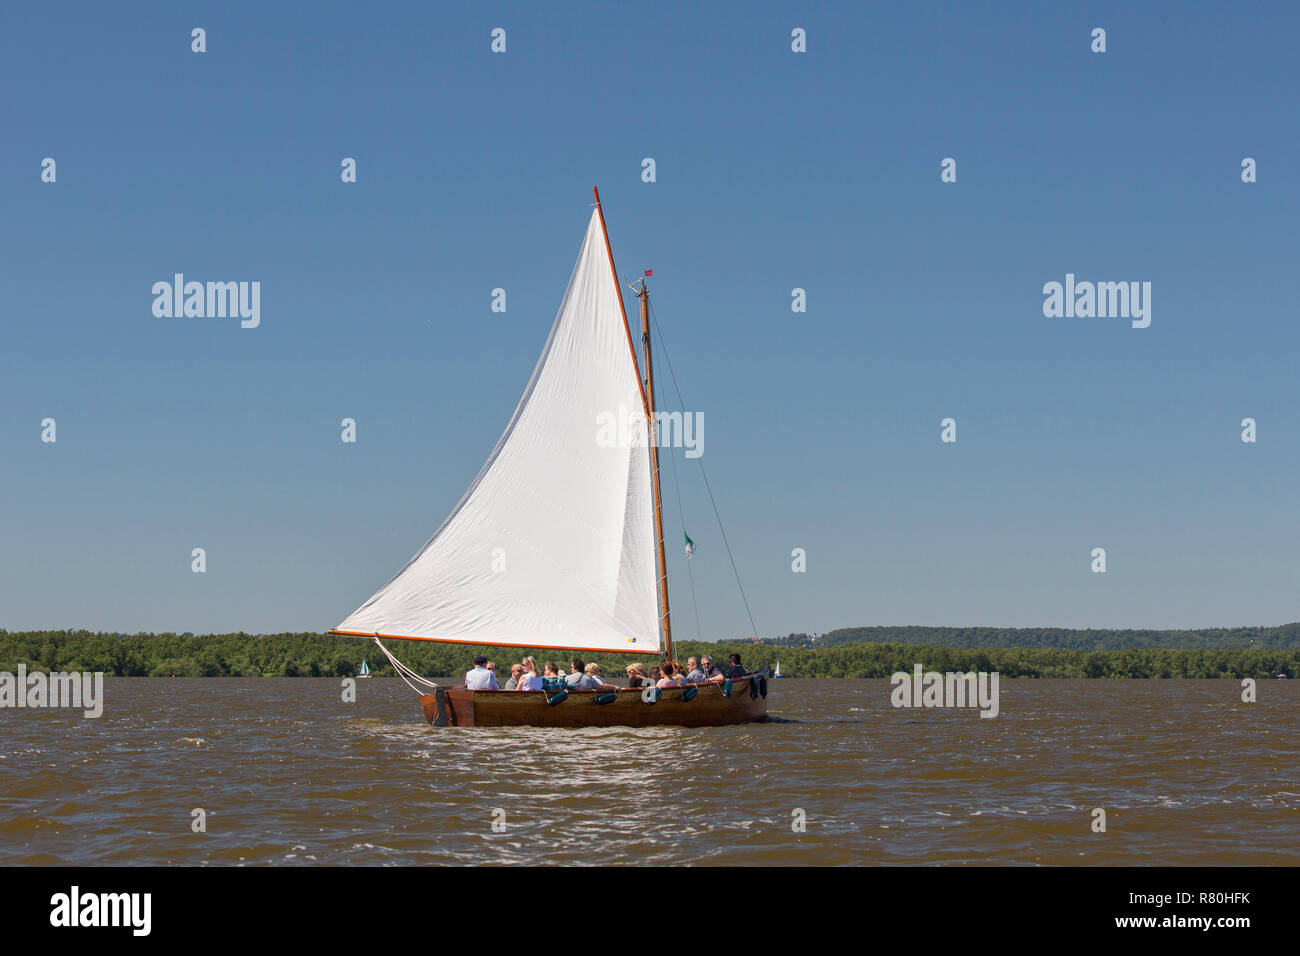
[[530, 679], [636, 676], [591, 679]]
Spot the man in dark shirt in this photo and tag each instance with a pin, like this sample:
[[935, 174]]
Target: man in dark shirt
[[734, 668], [711, 673]]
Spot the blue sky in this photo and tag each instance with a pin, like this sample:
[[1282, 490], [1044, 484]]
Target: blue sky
[[775, 170]]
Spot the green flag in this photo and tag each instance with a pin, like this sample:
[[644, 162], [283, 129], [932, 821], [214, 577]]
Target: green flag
[[690, 545]]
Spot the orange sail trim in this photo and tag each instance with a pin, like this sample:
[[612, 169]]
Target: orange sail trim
[[537, 647], [618, 290]]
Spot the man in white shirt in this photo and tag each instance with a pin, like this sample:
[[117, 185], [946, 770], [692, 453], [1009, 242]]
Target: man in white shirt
[[480, 678]]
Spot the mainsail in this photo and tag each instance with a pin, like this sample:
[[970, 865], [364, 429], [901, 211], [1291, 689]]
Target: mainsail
[[553, 544]]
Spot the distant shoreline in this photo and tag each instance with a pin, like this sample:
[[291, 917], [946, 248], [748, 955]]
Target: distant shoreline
[[328, 655], [1278, 637]]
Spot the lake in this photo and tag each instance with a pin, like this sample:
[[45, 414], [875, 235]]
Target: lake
[[287, 773]]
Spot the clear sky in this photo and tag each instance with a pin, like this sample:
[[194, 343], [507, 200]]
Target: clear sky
[[775, 170]]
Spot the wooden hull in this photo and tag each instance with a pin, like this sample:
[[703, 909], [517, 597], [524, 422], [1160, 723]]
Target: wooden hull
[[461, 707]]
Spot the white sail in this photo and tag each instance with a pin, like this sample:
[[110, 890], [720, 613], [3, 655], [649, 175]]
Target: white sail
[[553, 544]]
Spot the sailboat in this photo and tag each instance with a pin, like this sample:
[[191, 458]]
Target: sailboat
[[558, 544], [777, 673], [365, 669]]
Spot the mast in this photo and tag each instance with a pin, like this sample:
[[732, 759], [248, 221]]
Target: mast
[[644, 295]]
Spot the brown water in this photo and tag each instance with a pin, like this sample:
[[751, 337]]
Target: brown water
[[288, 774]]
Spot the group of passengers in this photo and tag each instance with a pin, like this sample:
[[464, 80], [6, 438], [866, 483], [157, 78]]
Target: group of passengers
[[525, 675], [698, 670]]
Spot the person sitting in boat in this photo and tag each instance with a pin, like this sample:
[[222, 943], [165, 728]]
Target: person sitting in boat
[[577, 674], [591, 679], [516, 671], [480, 678], [552, 676], [711, 673], [656, 674], [636, 676], [529, 679], [670, 678], [694, 674], [735, 668]]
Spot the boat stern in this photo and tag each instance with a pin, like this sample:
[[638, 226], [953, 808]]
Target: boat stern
[[438, 709]]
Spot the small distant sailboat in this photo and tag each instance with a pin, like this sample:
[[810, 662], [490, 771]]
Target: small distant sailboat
[[777, 673], [572, 508], [365, 669]]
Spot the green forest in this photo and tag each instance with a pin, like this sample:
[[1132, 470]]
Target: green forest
[[326, 655], [1286, 636]]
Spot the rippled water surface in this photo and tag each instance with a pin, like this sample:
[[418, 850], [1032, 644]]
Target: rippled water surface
[[288, 774]]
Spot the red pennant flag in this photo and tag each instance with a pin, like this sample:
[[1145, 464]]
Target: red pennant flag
[[649, 272]]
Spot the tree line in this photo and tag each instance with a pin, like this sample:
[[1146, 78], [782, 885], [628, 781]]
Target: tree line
[[330, 655], [1285, 636]]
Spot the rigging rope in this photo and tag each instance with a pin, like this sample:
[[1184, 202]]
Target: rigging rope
[[403, 671], [681, 513], [681, 402]]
